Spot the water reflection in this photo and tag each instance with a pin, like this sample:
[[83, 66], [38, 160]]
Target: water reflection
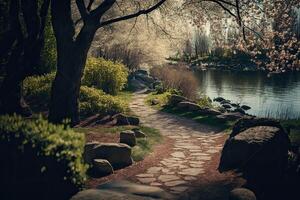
[[277, 96]]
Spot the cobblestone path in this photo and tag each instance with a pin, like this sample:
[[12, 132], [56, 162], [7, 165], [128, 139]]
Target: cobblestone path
[[195, 144]]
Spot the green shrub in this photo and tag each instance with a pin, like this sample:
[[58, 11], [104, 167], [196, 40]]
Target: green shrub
[[37, 88], [48, 54], [205, 102], [39, 160], [106, 75], [93, 101]]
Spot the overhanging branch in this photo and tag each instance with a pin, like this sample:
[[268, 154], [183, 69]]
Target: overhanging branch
[[130, 16]]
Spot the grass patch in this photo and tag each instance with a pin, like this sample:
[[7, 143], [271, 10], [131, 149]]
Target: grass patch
[[294, 124], [145, 146], [140, 151], [162, 99]]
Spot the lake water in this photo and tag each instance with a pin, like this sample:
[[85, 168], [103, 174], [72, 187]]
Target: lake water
[[277, 96]]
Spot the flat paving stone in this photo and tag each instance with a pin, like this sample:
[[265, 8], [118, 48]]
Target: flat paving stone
[[147, 180], [192, 171], [175, 183], [189, 178], [166, 178], [153, 170], [178, 154], [145, 175]]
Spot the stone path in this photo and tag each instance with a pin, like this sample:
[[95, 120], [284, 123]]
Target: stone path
[[194, 146]]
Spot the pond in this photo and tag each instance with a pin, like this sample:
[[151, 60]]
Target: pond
[[277, 96]]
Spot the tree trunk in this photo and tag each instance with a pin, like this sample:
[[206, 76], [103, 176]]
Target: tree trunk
[[66, 86], [71, 59]]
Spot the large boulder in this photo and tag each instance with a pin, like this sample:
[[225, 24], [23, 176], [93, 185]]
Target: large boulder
[[100, 168], [148, 80], [141, 71], [260, 152], [248, 122], [123, 190], [122, 119], [95, 194], [136, 84], [175, 99], [241, 194], [89, 153], [128, 137], [126, 187], [209, 111], [118, 154], [188, 106]]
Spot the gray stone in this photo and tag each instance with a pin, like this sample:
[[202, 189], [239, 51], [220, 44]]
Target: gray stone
[[240, 110], [138, 133], [226, 106], [230, 116], [188, 106], [128, 137], [241, 194], [248, 122], [137, 84], [127, 187], [89, 154], [100, 168], [122, 119], [219, 99], [260, 152], [245, 107], [95, 194], [225, 102], [145, 78], [119, 155], [154, 102], [175, 99], [141, 71], [209, 111]]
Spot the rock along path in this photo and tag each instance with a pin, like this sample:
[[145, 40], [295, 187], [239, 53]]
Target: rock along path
[[194, 147]]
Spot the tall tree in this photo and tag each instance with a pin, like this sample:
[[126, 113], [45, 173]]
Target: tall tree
[[20, 46], [72, 48]]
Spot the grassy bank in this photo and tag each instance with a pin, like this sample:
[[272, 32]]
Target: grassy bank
[[111, 134], [202, 119]]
